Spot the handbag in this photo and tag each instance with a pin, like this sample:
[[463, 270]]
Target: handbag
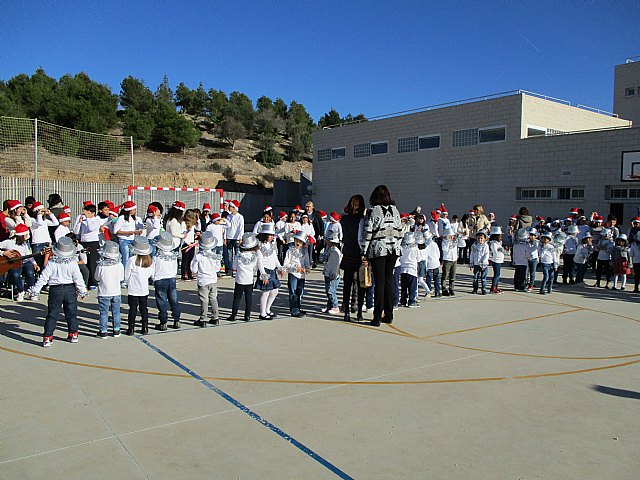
[[364, 276]]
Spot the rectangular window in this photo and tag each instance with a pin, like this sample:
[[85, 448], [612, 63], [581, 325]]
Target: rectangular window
[[577, 193], [493, 134], [630, 92], [543, 193], [426, 143], [362, 150], [407, 144], [564, 193], [536, 131], [634, 193], [324, 154], [379, 148], [552, 131], [619, 193], [526, 193], [463, 138], [338, 153]]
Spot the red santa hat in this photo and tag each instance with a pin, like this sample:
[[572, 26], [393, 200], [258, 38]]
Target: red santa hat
[[235, 203], [109, 204], [115, 210], [311, 240], [151, 209], [215, 216], [403, 216], [334, 217], [598, 218], [323, 214], [539, 218], [206, 207], [443, 210], [37, 206], [226, 202], [13, 204], [514, 217], [434, 215], [267, 209], [129, 205], [282, 215], [64, 217], [297, 208], [178, 205], [635, 220], [21, 229], [86, 203], [574, 211], [66, 209]]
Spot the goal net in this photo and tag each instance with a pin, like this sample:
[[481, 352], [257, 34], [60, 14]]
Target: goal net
[[191, 197]]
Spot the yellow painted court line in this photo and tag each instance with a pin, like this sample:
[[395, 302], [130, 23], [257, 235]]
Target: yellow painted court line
[[573, 372]]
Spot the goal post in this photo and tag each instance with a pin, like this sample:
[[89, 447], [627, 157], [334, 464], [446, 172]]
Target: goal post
[[192, 197]]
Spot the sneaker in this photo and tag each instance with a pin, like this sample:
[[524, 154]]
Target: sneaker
[[198, 323], [364, 309], [452, 293], [529, 289], [73, 337], [176, 324], [35, 298], [92, 287], [264, 317], [334, 311], [161, 326], [325, 310], [20, 297], [214, 321], [116, 333], [103, 335], [395, 307], [413, 305], [47, 341]]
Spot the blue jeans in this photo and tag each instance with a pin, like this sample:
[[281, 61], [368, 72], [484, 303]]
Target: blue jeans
[[409, 289], [497, 268], [331, 289], [61, 297], [480, 278], [167, 296], [37, 248], [125, 250], [547, 277], [15, 276], [106, 304], [396, 286], [296, 291], [433, 280], [533, 264], [152, 244], [231, 250]]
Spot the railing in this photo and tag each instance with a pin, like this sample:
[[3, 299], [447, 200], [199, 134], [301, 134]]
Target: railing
[[633, 59]]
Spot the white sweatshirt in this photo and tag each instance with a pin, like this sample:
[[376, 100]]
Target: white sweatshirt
[[153, 226], [409, 260], [246, 263], [449, 250], [109, 278], [137, 277], [40, 228], [479, 255], [496, 251], [295, 258], [163, 269], [60, 232], [60, 274], [433, 255], [269, 252], [206, 268], [130, 225], [218, 231]]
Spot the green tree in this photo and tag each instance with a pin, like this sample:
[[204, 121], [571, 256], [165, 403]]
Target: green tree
[[136, 95], [164, 94], [280, 108], [329, 119], [232, 130], [267, 154], [184, 98], [32, 95], [8, 106], [139, 125], [264, 103], [351, 119], [299, 128], [240, 107], [216, 106], [172, 131], [265, 123], [200, 100]]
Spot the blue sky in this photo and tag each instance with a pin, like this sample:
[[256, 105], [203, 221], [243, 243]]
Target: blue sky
[[370, 57]]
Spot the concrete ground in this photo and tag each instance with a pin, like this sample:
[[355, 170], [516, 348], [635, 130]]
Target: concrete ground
[[513, 386]]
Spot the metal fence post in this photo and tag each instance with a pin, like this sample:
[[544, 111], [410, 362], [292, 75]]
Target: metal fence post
[[133, 178], [35, 158]]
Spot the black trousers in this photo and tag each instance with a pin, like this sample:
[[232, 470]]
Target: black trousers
[[520, 277], [185, 266], [93, 255], [351, 276], [135, 304], [382, 268], [238, 292]]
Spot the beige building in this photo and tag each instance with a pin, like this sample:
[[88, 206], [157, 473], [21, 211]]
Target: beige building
[[503, 151]]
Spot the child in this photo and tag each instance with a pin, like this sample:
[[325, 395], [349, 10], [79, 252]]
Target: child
[[520, 258], [65, 284], [449, 260], [297, 263], [479, 260], [140, 268], [569, 253], [620, 261], [533, 257], [332, 273], [217, 227], [422, 262], [153, 225], [245, 264], [432, 264], [409, 271], [308, 230], [40, 238], [581, 258], [334, 225], [109, 275], [280, 230], [165, 266], [19, 242], [206, 265], [547, 260], [603, 260], [496, 257], [63, 229], [272, 268], [192, 223], [87, 229], [634, 254]]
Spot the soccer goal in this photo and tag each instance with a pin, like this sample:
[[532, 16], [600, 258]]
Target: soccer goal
[[191, 197]]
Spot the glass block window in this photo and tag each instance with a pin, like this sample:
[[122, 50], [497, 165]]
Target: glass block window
[[324, 155], [489, 135], [338, 153], [362, 150], [426, 143], [379, 148], [463, 138], [407, 144]]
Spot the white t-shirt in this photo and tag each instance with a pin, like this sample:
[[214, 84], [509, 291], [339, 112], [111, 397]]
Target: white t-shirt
[[124, 225], [109, 279], [137, 277]]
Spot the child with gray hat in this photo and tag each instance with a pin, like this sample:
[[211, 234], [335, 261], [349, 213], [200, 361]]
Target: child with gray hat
[[137, 274], [245, 264], [109, 274], [65, 281], [206, 265], [165, 266]]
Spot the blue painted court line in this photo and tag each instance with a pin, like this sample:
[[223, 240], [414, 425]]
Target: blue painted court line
[[243, 408]]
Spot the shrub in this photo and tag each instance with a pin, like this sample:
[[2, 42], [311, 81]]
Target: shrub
[[215, 167], [229, 174]]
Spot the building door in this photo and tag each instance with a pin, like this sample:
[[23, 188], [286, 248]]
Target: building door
[[617, 210]]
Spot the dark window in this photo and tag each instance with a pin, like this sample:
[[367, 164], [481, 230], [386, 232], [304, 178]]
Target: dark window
[[577, 193], [564, 194], [492, 135], [536, 132], [379, 148], [429, 142], [338, 153], [630, 92], [634, 193], [543, 193], [618, 193]]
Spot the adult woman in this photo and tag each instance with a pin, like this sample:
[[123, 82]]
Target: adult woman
[[478, 221], [383, 232], [523, 219], [352, 223]]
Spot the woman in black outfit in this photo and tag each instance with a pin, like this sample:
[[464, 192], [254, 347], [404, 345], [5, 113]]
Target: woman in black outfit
[[383, 233], [351, 257]]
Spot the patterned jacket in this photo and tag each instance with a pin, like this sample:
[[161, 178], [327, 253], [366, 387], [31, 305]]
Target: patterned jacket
[[383, 232]]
